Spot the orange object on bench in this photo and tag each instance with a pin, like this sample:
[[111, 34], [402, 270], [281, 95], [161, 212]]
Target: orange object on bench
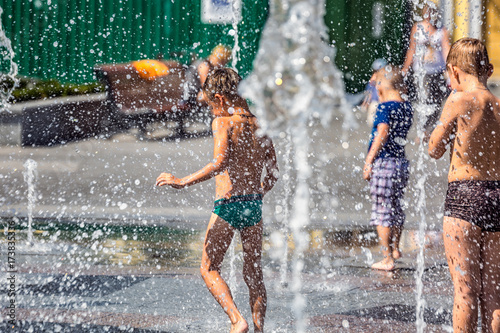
[[135, 101], [129, 93], [150, 69]]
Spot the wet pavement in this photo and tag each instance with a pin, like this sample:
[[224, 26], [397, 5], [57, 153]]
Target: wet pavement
[[111, 253], [101, 279]]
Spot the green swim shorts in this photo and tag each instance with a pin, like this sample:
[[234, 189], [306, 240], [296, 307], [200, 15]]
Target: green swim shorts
[[240, 211]]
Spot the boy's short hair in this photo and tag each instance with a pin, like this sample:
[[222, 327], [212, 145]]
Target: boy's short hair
[[223, 81], [470, 55], [393, 75]]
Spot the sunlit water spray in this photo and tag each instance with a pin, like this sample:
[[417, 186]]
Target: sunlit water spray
[[234, 55], [286, 211], [29, 178], [8, 71], [294, 81], [234, 32], [422, 111]]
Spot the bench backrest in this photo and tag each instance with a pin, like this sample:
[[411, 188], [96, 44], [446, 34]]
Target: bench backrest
[[132, 94]]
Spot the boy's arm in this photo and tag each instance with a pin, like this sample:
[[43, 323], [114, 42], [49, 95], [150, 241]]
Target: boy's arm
[[272, 170], [377, 144], [442, 134], [221, 143]]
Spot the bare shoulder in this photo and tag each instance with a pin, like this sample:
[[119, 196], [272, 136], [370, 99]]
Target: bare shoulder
[[221, 124], [458, 102], [203, 65]]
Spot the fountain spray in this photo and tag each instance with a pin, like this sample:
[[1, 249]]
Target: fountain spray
[[294, 81], [8, 80], [29, 178]]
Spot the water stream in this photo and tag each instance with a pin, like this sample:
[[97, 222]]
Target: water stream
[[29, 178], [294, 82], [8, 80], [422, 111]]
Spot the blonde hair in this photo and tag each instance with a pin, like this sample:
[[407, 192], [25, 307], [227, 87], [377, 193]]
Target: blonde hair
[[222, 52], [393, 75], [223, 81], [470, 55]]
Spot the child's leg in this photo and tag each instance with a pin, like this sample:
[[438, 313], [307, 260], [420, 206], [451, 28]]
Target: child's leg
[[251, 239], [217, 240], [462, 246], [385, 235], [490, 274], [395, 238], [400, 182]]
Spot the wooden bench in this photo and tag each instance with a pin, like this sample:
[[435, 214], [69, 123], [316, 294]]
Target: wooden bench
[[135, 101]]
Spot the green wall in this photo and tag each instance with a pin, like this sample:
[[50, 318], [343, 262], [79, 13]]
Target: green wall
[[65, 39], [351, 29]]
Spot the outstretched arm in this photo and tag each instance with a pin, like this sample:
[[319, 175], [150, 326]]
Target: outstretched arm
[[378, 142], [272, 171], [444, 131], [220, 129]]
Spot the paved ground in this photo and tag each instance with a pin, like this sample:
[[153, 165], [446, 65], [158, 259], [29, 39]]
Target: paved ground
[[113, 284], [100, 281]]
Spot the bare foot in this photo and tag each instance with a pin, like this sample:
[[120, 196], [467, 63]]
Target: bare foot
[[384, 265], [396, 254], [239, 327]]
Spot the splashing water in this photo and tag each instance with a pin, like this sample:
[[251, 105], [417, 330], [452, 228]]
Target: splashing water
[[422, 110], [234, 31], [286, 211], [294, 81], [234, 56], [29, 178], [8, 80]]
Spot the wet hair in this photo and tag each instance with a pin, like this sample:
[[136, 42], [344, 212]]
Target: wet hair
[[223, 81], [470, 55], [394, 76]]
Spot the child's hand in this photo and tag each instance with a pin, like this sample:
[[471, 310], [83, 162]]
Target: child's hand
[[367, 171], [169, 179]]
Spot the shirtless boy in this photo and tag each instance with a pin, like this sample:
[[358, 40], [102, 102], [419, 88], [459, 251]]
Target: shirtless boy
[[470, 126], [240, 156]]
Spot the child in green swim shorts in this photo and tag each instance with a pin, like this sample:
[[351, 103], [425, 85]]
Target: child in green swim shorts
[[240, 157]]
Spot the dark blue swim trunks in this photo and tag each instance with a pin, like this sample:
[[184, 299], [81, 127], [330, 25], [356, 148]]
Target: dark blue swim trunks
[[475, 201]]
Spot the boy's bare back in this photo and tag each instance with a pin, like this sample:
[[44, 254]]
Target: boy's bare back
[[247, 154], [475, 153]]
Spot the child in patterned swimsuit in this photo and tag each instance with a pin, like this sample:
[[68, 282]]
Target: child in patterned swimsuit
[[240, 156], [470, 126], [386, 166]]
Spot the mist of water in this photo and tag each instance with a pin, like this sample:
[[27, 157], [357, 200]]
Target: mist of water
[[29, 178], [422, 111], [295, 81], [234, 32], [8, 80]]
